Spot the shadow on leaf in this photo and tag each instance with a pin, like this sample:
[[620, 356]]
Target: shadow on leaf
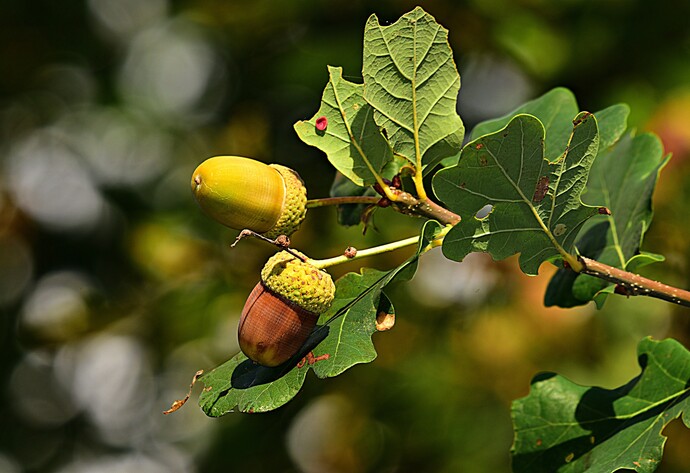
[[595, 413], [249, 373]]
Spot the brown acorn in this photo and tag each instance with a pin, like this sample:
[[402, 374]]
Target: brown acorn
[[283, 308]]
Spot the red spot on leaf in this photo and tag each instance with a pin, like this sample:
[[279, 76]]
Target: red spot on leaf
[[321, 123], [479, 145]]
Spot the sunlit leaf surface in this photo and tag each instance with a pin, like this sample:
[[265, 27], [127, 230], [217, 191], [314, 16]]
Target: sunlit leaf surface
[[411, 80], [535, 204]]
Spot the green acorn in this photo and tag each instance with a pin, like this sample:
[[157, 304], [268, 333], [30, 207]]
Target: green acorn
[[283, 308], [244, 193]]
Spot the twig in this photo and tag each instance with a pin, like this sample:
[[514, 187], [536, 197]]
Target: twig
[[408, 204], [354, 199], [281, 242], [634, 284]]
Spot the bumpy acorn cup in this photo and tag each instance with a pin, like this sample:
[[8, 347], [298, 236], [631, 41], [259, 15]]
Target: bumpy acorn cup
[[243, 193], [283, 308]]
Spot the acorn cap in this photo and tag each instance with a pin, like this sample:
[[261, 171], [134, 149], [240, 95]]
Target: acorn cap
[[299, 282], [244, 193], [294, 205]]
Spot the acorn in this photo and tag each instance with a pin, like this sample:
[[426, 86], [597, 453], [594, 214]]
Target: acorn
[[283, 308], [243, 193]]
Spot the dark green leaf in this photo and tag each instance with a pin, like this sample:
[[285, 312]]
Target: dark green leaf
[[623, 179], [555, 109], [412, 82], [562, 427], [350, 341], [351, 140], [536, 206], [219, 397]]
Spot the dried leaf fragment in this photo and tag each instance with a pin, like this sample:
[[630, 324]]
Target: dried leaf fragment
[[181, 402]]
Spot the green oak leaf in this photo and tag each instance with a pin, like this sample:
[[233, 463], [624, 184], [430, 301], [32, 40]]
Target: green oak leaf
[[412, 82], [341, 340], [351, 140], [349, 341], [562, 427], [555, 109], [536, 208], [631, 168], [219, 397]]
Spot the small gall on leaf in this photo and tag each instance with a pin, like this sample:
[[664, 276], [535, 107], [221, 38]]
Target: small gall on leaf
[[604, 211], [350, 252], [321, 123]]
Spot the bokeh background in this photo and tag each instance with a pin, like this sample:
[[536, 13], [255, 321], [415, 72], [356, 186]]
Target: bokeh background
[[115, 289]]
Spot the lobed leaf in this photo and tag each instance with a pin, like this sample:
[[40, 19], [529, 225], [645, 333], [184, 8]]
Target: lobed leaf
[[562, 427], [411, 81], [536, 208], [351, 139], [631, 168], [341, 340], [350, 340]]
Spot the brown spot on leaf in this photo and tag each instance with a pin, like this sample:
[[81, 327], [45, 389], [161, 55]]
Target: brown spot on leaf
[[583, 118], [479, 145], [559, 229], [541, 189], [483, 161]]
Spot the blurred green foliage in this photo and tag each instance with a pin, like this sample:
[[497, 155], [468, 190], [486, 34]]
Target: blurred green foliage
[[114, 289]]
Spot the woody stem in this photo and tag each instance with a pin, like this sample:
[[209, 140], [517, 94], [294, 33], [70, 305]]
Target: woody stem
[[634, 284]]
